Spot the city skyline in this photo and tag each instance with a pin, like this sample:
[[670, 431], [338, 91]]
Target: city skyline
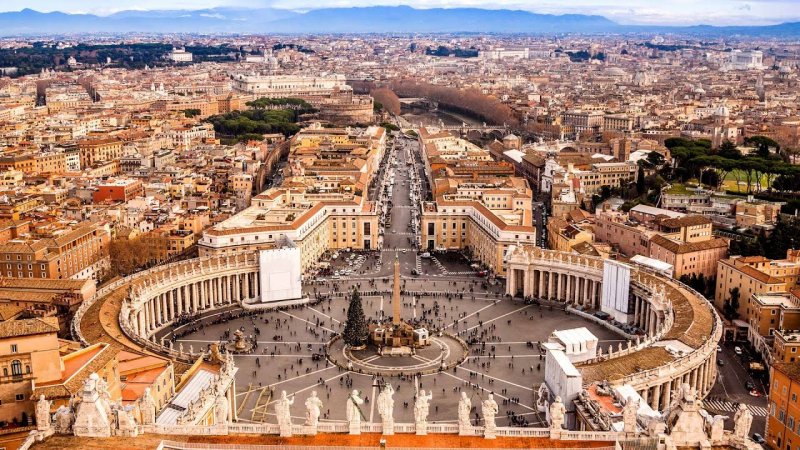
[[636, 12]]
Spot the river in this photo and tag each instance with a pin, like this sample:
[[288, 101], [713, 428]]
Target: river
[[427, 117]]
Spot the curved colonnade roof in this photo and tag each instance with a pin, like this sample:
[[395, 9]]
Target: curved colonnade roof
[[692, 326], [100, 323]]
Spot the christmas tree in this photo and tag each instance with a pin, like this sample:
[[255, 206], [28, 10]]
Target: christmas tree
[[356, 331]]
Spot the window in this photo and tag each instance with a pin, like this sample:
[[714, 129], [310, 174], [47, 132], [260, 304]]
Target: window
[[19, 397], [13, 348], [16, 367]]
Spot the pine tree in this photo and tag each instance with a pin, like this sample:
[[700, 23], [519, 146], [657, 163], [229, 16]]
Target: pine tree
[[356, 331]]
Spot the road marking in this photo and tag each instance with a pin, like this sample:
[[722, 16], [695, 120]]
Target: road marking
[[498, 317], [724, 406], [320, 312], [306, 321], [493, 378], [476, 312]]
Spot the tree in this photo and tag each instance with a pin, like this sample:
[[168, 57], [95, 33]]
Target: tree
[[730, 309], [728, 150], [640, 186], [356, 331]]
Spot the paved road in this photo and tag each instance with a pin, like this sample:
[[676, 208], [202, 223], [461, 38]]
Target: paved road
[[730, 390]]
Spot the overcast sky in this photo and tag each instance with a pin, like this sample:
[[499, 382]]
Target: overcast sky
[[679, 12]]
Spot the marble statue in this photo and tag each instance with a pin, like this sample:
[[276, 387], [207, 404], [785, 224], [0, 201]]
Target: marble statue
[[284, 414], [629, 415], [63, 420], [688, 393], [557, 411], [147, 408], [125, 423], [421, 409], [717, 430], [313, 408], [353, 412], [92, 417], [464, 410], [489, 409], [742, 421], [43, 414], [386, 409], [221, 410]]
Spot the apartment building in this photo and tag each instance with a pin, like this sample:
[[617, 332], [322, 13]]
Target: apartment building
[[483, 209], [93, 151], [784, 410], [755, 275], [28, 352], [69, 252], [319, 207]]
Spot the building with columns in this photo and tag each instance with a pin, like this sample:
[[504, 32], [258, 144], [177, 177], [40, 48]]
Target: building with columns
[[672, 330]]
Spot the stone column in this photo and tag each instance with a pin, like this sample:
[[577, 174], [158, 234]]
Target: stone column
[[237, 288], [668, 394], [541, 284], [587, 283], [550, 281], [158, 299], [645, 394], [568, 294], [176, 303], [656, 395]]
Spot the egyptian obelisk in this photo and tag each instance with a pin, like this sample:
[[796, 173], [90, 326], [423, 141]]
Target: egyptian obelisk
[[396, 292]]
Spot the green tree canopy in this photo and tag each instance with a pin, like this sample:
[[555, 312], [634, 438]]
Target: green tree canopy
[[356, 331]]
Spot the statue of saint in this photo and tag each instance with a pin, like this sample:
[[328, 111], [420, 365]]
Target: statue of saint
[[630, 413], [43, 414], [147, 408], [464, 410], [386, 408], [489, 409], [283, 410], [313, 408], [421, 408], [353, 411], [742, 421], [557, 411], [221, 410], [64, 418]]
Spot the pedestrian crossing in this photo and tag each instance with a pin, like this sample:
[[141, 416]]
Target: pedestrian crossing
[[722, 406]]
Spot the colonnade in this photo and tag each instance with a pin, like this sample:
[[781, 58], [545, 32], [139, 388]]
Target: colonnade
[[578, 280], [207, 291], [645, 315], [701, 378], [578, 288]]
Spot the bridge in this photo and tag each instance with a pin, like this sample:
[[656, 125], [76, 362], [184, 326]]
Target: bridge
[[466, 128]]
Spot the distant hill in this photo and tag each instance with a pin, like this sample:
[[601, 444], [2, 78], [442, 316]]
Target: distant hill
[[377, 19]]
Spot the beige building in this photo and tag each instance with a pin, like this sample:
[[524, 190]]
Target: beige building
[[28, 354], [754, 275], [319, 207]]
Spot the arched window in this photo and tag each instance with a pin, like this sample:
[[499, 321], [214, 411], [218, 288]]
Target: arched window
[[16, 367]]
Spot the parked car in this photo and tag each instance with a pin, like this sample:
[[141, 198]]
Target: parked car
[[720, 362], [737, 350], [750, 385], [758, 438]]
